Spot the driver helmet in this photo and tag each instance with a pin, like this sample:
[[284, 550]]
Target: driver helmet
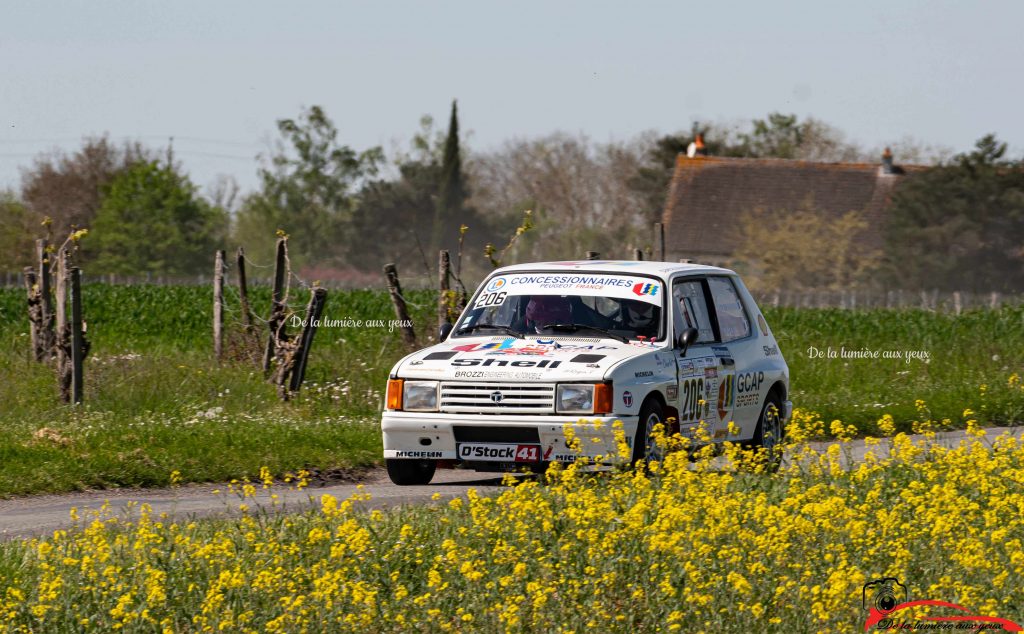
[[639, 314], [548, 309]]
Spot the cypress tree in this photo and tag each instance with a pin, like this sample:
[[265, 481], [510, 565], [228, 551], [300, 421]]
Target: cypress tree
[[453, 192]]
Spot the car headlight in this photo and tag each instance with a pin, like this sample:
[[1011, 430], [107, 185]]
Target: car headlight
[[419, 396], [583, 398], [575, 398]]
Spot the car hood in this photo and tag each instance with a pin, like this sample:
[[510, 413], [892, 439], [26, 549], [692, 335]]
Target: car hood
[[529, 359]]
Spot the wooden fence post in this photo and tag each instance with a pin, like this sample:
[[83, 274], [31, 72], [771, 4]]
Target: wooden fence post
[[313, 312], [77, 336], [444, 270], [401, 310], [218, 305], [593, 255], [276, 321], [638, 255], [659, 242]]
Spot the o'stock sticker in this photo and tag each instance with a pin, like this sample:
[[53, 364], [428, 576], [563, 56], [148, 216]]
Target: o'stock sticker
[[496, 284]]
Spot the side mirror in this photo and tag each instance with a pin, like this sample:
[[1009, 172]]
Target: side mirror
[[444, 331], [686, 338]]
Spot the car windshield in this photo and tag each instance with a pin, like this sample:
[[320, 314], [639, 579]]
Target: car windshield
[[618, 306]]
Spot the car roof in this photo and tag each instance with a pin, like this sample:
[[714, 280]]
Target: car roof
[[634, 267]]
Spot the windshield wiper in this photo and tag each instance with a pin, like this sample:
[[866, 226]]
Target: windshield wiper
[[506, 329], [576, 327]]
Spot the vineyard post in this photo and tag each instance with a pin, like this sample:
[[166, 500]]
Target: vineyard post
[[33, 312], [46, 336], [77, 335], [401, 310], [218, 305], [276, 321], [243, 293], [444, 270], [313, 312], [63, 345]]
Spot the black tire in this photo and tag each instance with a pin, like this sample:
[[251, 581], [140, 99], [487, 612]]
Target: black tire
[[770, 431], [651, 413], [410, 472]]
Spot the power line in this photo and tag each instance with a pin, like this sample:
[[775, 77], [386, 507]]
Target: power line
[[162, 137], [176, 151]]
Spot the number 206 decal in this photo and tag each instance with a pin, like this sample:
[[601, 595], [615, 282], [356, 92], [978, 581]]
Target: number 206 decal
[[491, 299], [693, 392]]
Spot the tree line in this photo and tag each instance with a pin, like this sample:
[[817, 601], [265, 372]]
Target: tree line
[[958, 225]]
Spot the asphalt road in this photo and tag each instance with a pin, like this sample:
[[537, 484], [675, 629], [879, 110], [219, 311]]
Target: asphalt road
[[42, 514]]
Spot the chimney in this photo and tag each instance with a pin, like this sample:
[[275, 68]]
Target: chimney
[[696, 148], [887, 166]]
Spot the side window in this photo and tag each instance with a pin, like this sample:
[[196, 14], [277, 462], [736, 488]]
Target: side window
[[693, 309], [732, 319]]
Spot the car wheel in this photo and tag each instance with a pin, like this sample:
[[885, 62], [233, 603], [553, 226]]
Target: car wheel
[[770, 432], [409, 472], [644, 448]]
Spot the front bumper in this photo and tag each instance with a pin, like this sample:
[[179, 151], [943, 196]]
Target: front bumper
[[431, 435]]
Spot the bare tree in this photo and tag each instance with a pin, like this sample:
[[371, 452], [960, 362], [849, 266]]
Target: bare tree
[[578, 190], [68, 188]]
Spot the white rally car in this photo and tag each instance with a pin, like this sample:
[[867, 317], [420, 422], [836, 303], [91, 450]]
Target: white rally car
[[554, 344]]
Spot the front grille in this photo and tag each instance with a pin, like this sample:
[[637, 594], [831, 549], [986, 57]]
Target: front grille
[[484, 397]]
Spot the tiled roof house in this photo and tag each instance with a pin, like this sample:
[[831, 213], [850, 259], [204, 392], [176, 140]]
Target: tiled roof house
[[709, 196]]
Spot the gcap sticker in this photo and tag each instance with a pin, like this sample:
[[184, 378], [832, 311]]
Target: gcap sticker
[[627, 399]]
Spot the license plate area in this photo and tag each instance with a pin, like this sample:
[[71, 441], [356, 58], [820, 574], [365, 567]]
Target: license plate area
[[499, 452]]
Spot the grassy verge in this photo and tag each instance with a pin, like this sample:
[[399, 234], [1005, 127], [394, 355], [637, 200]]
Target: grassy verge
[[974, 361], [156, 403], [690, 548]]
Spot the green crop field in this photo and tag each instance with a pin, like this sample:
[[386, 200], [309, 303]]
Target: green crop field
[[156, 402]]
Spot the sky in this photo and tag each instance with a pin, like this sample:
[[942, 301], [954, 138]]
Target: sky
[[216, 76]]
